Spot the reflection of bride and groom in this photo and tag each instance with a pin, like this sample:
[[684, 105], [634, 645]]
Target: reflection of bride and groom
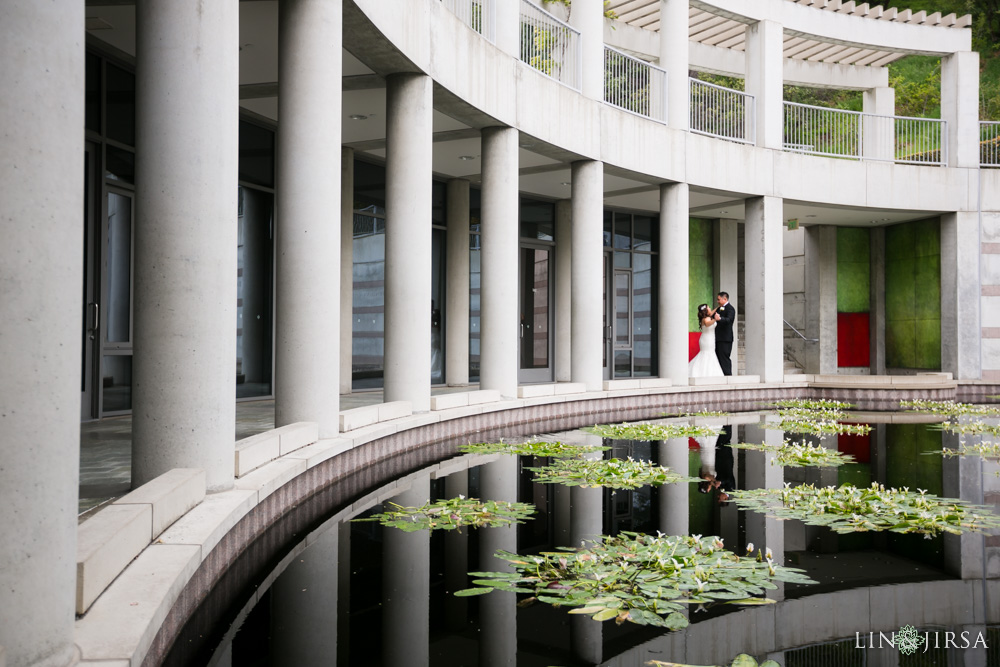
[[716, 470], [715, 346]]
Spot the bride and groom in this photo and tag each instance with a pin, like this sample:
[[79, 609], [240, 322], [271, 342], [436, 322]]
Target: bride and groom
[[715, 346]]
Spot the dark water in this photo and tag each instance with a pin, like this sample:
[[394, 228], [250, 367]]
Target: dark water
[[360, 594]]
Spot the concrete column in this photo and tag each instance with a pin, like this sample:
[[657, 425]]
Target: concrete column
[[960, 107], [821, 299], [456, 337], [41, 189], [456, 556], [406, 561], [764, 80], [674, 59], [500, 326], [877, 296], [586, 523], [346, 269], [762, 531], [184, 299], [674, 499], [672, 317], [564, 290], [408, 240], [587, 16], [498, 610], [587, 289], [304, 604], [960, 295], [343, 593], [878, 130], [764, 305], [726, 272], [508, 27], [307, 368]]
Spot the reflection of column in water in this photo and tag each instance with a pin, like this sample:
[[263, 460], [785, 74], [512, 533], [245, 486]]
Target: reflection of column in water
[[820, 539], [497, 610], [456, 556], [674, 498], [585, 524], [963, 478], [762, 531], [561, 504], [304, 605], [344, 593], [406, 586]]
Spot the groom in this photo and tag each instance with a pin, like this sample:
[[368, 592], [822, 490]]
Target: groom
[[725, 315]]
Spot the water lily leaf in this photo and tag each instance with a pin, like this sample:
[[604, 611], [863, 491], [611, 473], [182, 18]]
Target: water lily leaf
[[469, 592], [752, 602], [586, 610], [606, 615], [769, 663], [744, 660]]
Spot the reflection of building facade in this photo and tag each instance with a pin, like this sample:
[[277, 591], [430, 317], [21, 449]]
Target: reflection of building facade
[[316, 177]]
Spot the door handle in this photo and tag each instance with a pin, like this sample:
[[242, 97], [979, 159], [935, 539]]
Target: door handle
[[95, 319]]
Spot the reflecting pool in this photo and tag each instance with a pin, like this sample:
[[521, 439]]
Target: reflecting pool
[[357, 593]]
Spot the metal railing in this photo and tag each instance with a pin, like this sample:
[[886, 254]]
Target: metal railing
[[549, 45], [480, 15], [822, 131], [722, 112], [864, 136], [989, 143], [634, 85], [799, 333], [918, 140]]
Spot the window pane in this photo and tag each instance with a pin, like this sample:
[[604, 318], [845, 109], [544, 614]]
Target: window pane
[[623, 231], [642, 233], [253, 293], [119, 165], [116, 383], [119, 264], [623, 363], [474, 307], [607, 229], [256, 154], [369, 301], [120, 105], [93, 94], [537, 220]]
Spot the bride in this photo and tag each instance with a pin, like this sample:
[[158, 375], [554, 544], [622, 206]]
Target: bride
[[705, 363]]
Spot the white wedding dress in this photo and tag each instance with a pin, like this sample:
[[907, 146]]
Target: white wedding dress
[[705, 364]]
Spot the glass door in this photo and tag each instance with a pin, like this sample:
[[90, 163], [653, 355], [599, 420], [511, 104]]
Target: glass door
[[91, 310], [535, 287], [623, 323], [116, 305]]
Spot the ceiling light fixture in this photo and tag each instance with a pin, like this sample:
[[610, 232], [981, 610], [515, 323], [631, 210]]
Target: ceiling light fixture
[[566, 183], [466, 157], [358, 116]]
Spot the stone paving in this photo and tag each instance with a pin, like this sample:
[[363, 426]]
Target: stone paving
[[106, 445]]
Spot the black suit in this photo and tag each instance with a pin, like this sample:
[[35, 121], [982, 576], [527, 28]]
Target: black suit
[[724, 337]]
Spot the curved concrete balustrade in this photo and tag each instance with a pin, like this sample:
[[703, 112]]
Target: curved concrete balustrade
[[481, 85], [141, 610]]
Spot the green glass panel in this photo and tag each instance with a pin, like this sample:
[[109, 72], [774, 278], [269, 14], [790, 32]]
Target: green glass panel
[[701, 283], [927, 282], [853, 244], [926, 238], [900, 291], [853, 288], [898, 242], [927, 344], [900, 344]]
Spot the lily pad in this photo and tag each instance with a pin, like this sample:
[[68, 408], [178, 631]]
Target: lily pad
[[643, 579], [633, 431], [608, 473], [534, 448], [453, 514]]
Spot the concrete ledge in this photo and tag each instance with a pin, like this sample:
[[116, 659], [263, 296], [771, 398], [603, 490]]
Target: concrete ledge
[[208, 523], [322, 450], [462, 399], [268, 479], [297, 436], [630, 383], [743, 379], [535, 390], [124, 621], [654, 383], [170, 495], [255, 451], [351, 420], [105, 544], [564, 388], [701, 382]]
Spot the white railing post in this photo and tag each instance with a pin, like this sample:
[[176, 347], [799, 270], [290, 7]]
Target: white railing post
[[549, 45], [479, 15], [721, 112], [989, 143], [634, 85]]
